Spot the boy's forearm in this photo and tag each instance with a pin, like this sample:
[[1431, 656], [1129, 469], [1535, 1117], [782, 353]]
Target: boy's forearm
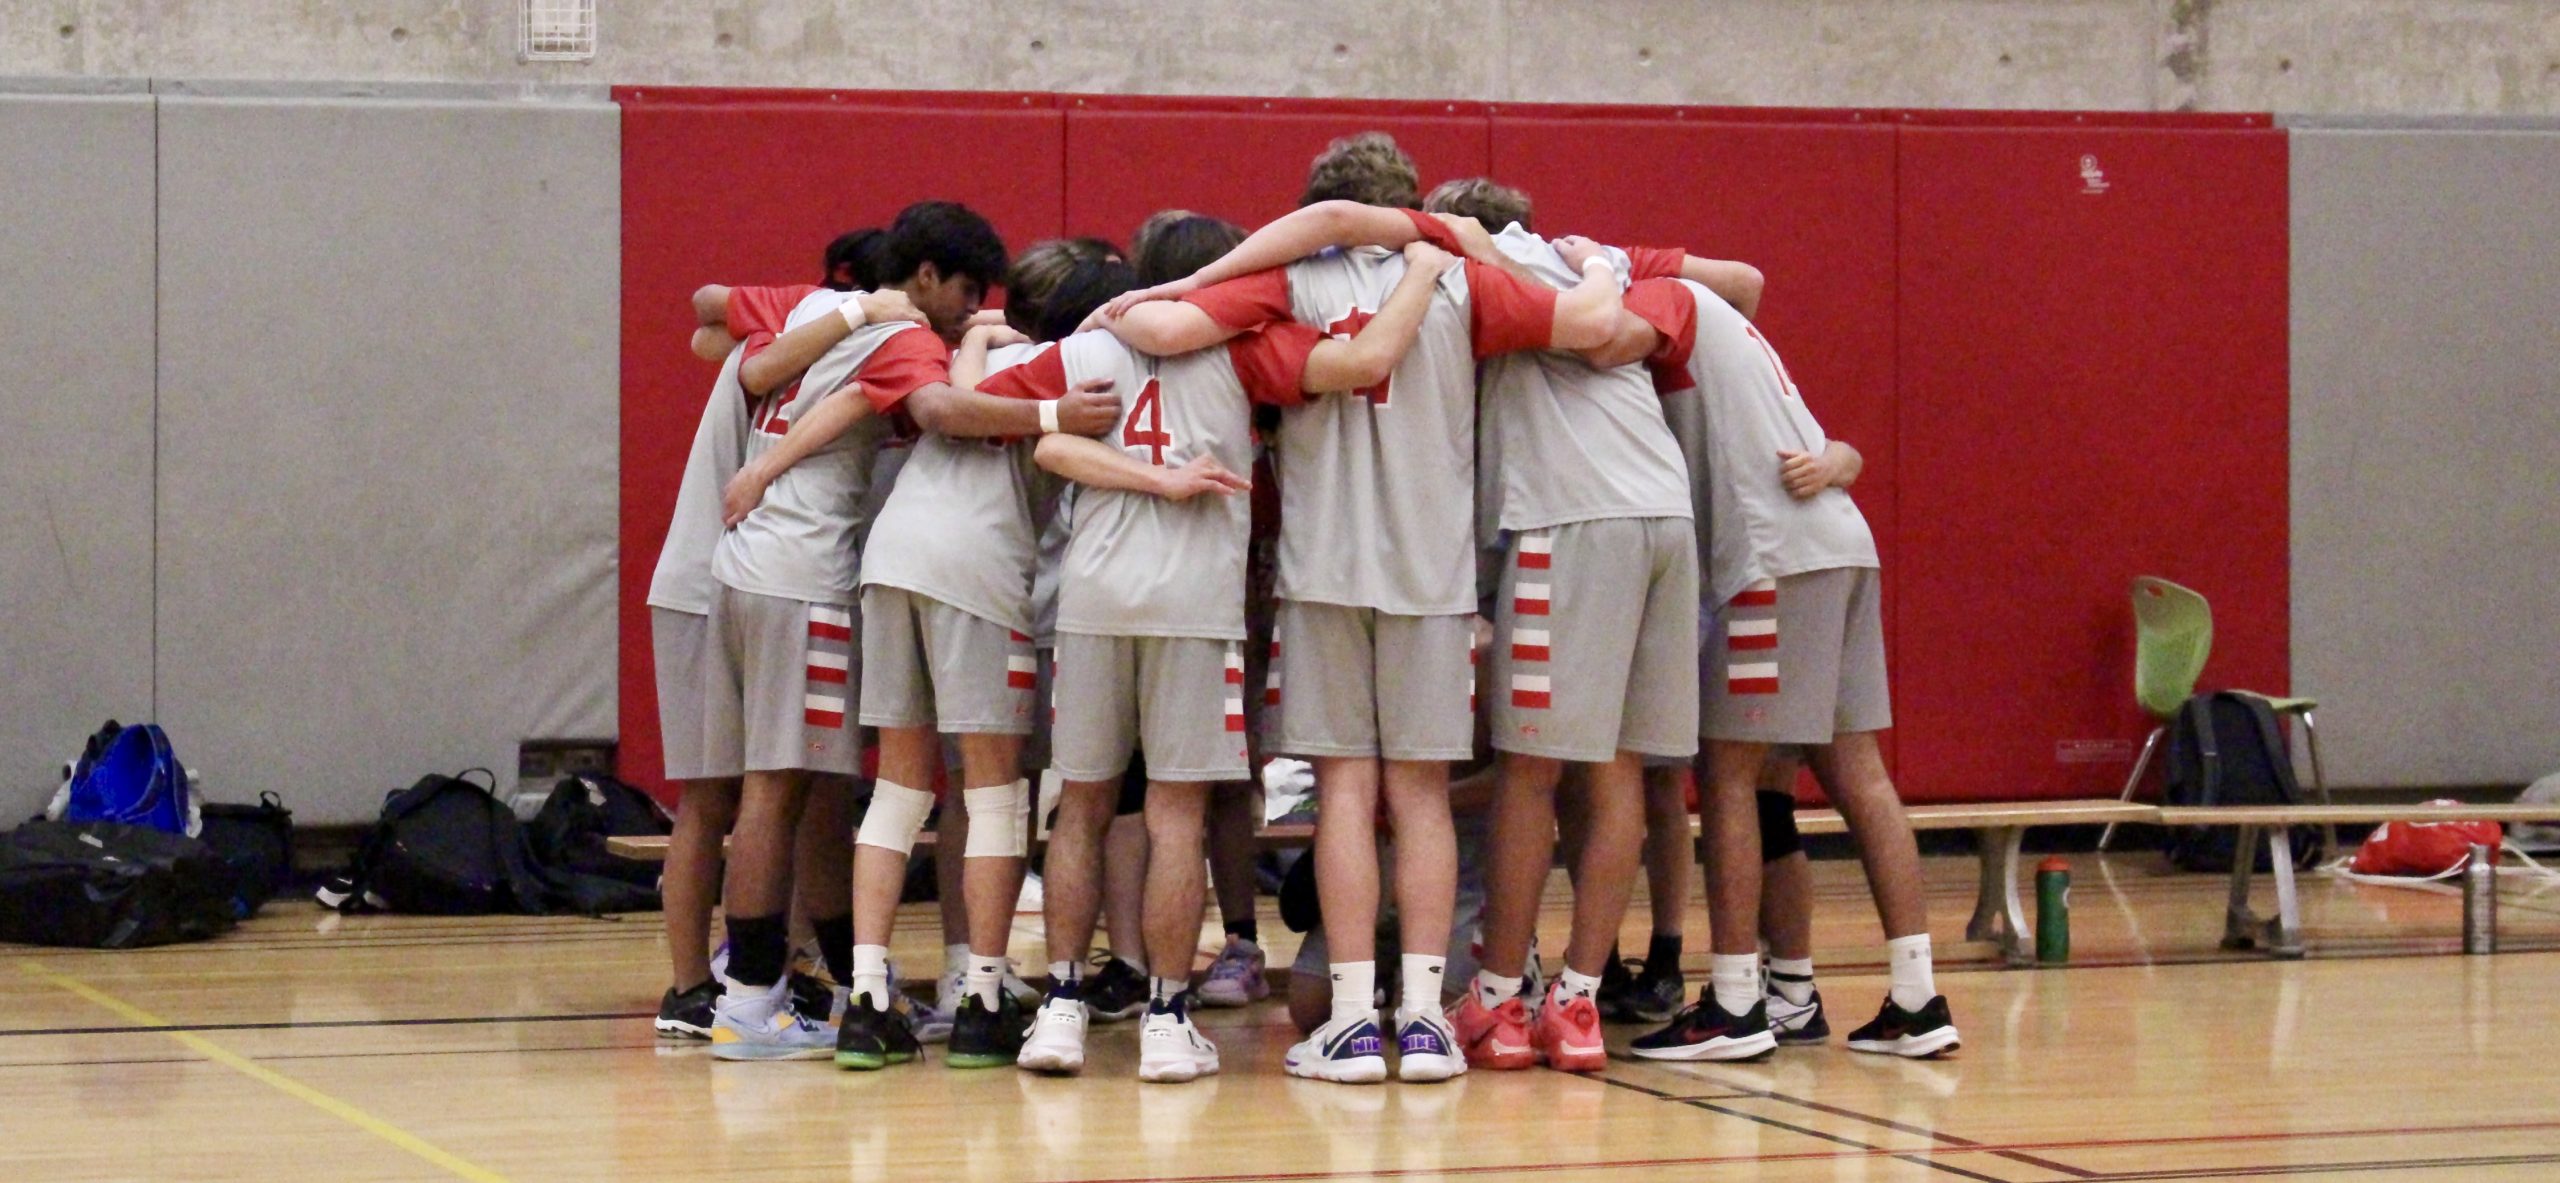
[[1586, 315], [1372, 354], [824, 424], [1738, 284], [1307, 230], [1846, 463], [790, 355], [1095, 464], [945, 409], [1164, 328]]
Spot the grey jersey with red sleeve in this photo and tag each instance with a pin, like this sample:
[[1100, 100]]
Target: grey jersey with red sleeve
[[963, 525]]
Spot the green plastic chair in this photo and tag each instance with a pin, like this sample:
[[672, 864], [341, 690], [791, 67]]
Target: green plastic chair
[[2173, 635]]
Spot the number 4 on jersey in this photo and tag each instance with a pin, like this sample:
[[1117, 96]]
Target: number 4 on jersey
[[1149, 409]]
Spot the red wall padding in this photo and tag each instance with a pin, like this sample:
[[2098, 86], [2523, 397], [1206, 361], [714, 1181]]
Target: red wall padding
[[1244, 160], [748, 188], [2093, 387], [2054, 391]]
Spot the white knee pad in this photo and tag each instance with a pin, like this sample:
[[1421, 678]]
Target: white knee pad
[[999, 820], [895, 817]]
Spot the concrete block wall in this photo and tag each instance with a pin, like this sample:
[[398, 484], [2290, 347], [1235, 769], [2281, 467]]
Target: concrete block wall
[[2469, 57]]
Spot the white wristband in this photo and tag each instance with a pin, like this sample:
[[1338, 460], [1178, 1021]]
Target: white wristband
[[851, 311], [1048, 416]]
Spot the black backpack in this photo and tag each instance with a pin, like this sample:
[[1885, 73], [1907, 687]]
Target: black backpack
[[2226, 749], [256, 843], [107, 885], [568, 840], [444, 847]]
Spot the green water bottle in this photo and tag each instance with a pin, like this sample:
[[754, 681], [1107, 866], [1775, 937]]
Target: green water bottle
[[2053, 911]]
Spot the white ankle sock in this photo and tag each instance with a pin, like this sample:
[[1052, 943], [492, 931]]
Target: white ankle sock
[[984, 977], [871, 974], [1418, 984], [1915, 982], [1736, 980], [1493, 989], [955, 959], [1162, 991], [1573, 984], [1066, 971], [1355, 989], [1792, 978]]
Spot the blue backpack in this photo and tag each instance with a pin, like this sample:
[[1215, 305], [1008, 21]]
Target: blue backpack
[[130, 776]]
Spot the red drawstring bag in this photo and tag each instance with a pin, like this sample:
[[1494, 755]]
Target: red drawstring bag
[[2424, 849]]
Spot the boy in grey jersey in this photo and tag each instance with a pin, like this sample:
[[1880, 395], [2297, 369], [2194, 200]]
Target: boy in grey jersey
[[1593, 659], [787, 573], [1376, 569], [1795, 655], [1151, 607], [681, 592]]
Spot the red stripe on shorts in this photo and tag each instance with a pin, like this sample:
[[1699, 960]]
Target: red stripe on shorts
[[1763, 641], [1532, 699], [1751, 686], [1762, 598], [819, 673], [824, 718], [830, 632], [1535, 561]]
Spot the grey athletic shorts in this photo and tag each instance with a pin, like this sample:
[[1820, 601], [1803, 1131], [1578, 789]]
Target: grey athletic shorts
[[680, 649], [778, 680], [1797, 659], [1359, 682], [1178, 699], [928, 664], [1596, 641]]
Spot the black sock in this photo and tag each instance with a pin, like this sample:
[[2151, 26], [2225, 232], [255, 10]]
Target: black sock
[[835, 946], [1246, 930], [1170, 1005], [759, 947], [1662, 957]]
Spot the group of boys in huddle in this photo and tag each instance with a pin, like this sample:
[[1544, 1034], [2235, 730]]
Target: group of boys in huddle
[[1550, 496]]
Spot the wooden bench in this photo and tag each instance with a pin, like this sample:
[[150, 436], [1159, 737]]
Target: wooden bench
[[1999, 917], [2281, 934]]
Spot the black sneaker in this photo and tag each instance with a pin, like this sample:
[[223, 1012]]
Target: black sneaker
[[1795, 1024], [982, 1038], [1703, 1031], [1929, 1031], [1644, 994], [812, 996], [1115, 991], [686, 1014], [1611, 997], [871, 1038]]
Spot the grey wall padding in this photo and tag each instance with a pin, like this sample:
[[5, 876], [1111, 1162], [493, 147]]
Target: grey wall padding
[[388, 437], [75, 430], [2426, 452]]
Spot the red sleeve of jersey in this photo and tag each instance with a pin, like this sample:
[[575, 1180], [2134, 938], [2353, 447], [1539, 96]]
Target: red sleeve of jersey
[[900, 365], [1247, 302], [1508, 315], [1654, 262], [1436, 232], [1672, 309], [754, 310], [1043, 377], [1272, 362]]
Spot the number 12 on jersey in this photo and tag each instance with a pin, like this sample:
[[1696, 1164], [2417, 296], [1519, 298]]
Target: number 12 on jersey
[[1149, 411]]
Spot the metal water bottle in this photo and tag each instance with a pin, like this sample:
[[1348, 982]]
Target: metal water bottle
[[2480, 901], [2053, 911]]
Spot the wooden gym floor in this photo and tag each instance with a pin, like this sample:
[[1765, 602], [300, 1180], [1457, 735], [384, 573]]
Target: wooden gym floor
[[311, 1046]]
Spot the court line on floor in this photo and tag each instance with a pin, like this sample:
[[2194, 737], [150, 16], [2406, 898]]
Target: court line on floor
[[1935, 1135], [158, 1028], [449, 1051], [1920, 1158], [344, 1111], [2287, 1170]]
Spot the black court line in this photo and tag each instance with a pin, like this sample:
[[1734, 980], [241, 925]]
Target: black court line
[[1921, 1159], [1941, 1137], [456, 1021], [2328, 1168]]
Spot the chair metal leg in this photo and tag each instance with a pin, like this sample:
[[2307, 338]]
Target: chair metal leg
[[2242, 928], [2133, 783], [2284, 933], [1998, 916]]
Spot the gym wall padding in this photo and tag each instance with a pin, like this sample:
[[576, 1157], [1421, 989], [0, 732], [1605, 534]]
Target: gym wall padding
[[75, 429], [2092, 387], [1941, 299], [387, 437], [1131, 155], [2426, 503], [814, 164]]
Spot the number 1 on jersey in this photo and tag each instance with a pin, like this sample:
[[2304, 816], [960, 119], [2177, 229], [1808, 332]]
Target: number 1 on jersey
[[1150, 409]]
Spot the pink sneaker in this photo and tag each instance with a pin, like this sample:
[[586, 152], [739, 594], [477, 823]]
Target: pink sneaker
[[1568, 1035], [1496, 1039]]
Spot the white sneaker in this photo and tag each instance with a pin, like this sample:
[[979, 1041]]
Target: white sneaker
[[1056, 1041], [1171, 1050], [1427, 1048], [764, 1026], [933, 1024], [1345, 1051]]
